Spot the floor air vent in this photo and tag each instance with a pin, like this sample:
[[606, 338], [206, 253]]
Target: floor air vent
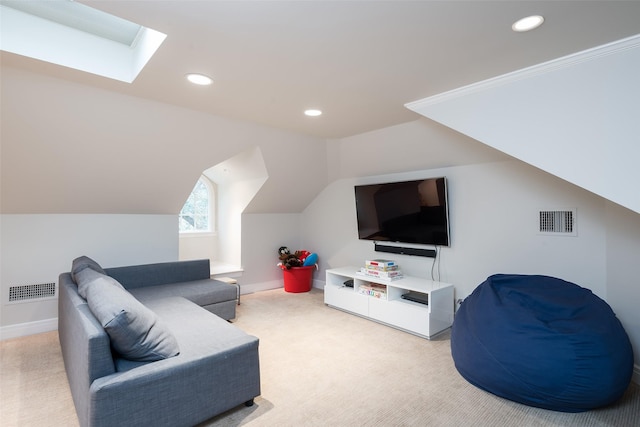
[[31, 292], [556, 222]]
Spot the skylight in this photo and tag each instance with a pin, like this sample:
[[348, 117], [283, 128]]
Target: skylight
[[74, 35]]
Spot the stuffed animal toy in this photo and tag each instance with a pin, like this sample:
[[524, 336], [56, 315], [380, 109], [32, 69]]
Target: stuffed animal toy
[[287, 259], [283, 252], [302, 255]]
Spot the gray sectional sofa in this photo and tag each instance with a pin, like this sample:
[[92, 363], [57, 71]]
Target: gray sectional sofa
[[150, 345]]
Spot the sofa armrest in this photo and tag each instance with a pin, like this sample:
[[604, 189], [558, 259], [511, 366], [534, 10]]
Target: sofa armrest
[[84, 343]]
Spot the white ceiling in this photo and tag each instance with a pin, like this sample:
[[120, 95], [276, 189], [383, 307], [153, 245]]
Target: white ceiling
[[358, 61]]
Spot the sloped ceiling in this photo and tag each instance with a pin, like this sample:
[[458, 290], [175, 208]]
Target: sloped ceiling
[[73, 142], [69, 148], [358, 61], [575, 117]]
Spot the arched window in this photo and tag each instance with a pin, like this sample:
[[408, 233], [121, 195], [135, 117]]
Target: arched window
[[196, 214]]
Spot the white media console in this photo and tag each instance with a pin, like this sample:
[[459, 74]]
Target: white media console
[[426, 320]]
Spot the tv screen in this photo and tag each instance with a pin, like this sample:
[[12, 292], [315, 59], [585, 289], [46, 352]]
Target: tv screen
[[405, 212]]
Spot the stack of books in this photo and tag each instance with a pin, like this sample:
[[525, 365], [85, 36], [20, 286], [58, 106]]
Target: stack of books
[[382, 269], [373, 289]]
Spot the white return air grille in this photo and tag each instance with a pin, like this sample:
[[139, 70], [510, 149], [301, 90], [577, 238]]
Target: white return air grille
[[31, 292], [558, 222]]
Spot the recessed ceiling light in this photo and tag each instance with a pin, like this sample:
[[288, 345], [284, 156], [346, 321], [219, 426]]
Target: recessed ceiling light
[[199, 79], [312, 113], [527, 24]]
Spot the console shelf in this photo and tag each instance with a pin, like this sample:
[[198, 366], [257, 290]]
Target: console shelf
[[425, 320]]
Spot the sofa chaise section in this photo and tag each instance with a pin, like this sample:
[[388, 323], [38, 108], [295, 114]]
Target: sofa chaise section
[[216, 370], [189, 279]]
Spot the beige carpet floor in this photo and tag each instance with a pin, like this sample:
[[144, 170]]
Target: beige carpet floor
[[319, 367]]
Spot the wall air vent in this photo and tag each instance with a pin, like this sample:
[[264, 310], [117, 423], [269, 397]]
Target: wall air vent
[[558, 222], [25, 293]]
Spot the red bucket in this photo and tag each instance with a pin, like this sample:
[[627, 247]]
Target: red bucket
[[298, 279]]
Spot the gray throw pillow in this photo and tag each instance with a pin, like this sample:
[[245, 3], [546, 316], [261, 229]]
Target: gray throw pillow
[[87, 276], [81, 263], [136, 332]]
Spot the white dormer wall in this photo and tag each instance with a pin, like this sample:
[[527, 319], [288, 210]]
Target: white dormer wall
[[89, 172], [576, 117], [239, 179]]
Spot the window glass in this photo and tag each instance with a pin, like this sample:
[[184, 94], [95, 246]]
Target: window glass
[[195, 214]]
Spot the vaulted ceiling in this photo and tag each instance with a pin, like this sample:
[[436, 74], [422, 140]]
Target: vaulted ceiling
[[358, 61]]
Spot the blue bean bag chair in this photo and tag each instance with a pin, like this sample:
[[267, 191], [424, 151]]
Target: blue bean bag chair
[[543, 342]]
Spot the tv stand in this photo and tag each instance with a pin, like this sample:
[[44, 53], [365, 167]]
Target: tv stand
[[425, 320]]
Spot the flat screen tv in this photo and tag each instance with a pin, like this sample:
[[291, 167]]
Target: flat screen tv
[[405, 212]]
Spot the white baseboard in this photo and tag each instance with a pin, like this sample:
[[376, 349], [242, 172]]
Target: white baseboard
[[262, 286], [29, 328], [274, 284]]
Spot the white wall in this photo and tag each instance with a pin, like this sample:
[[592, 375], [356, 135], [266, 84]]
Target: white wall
[[262, 235], [493, 209], [493, 212], [37, 248], [239, 180], [623, 269], [197, 246]]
